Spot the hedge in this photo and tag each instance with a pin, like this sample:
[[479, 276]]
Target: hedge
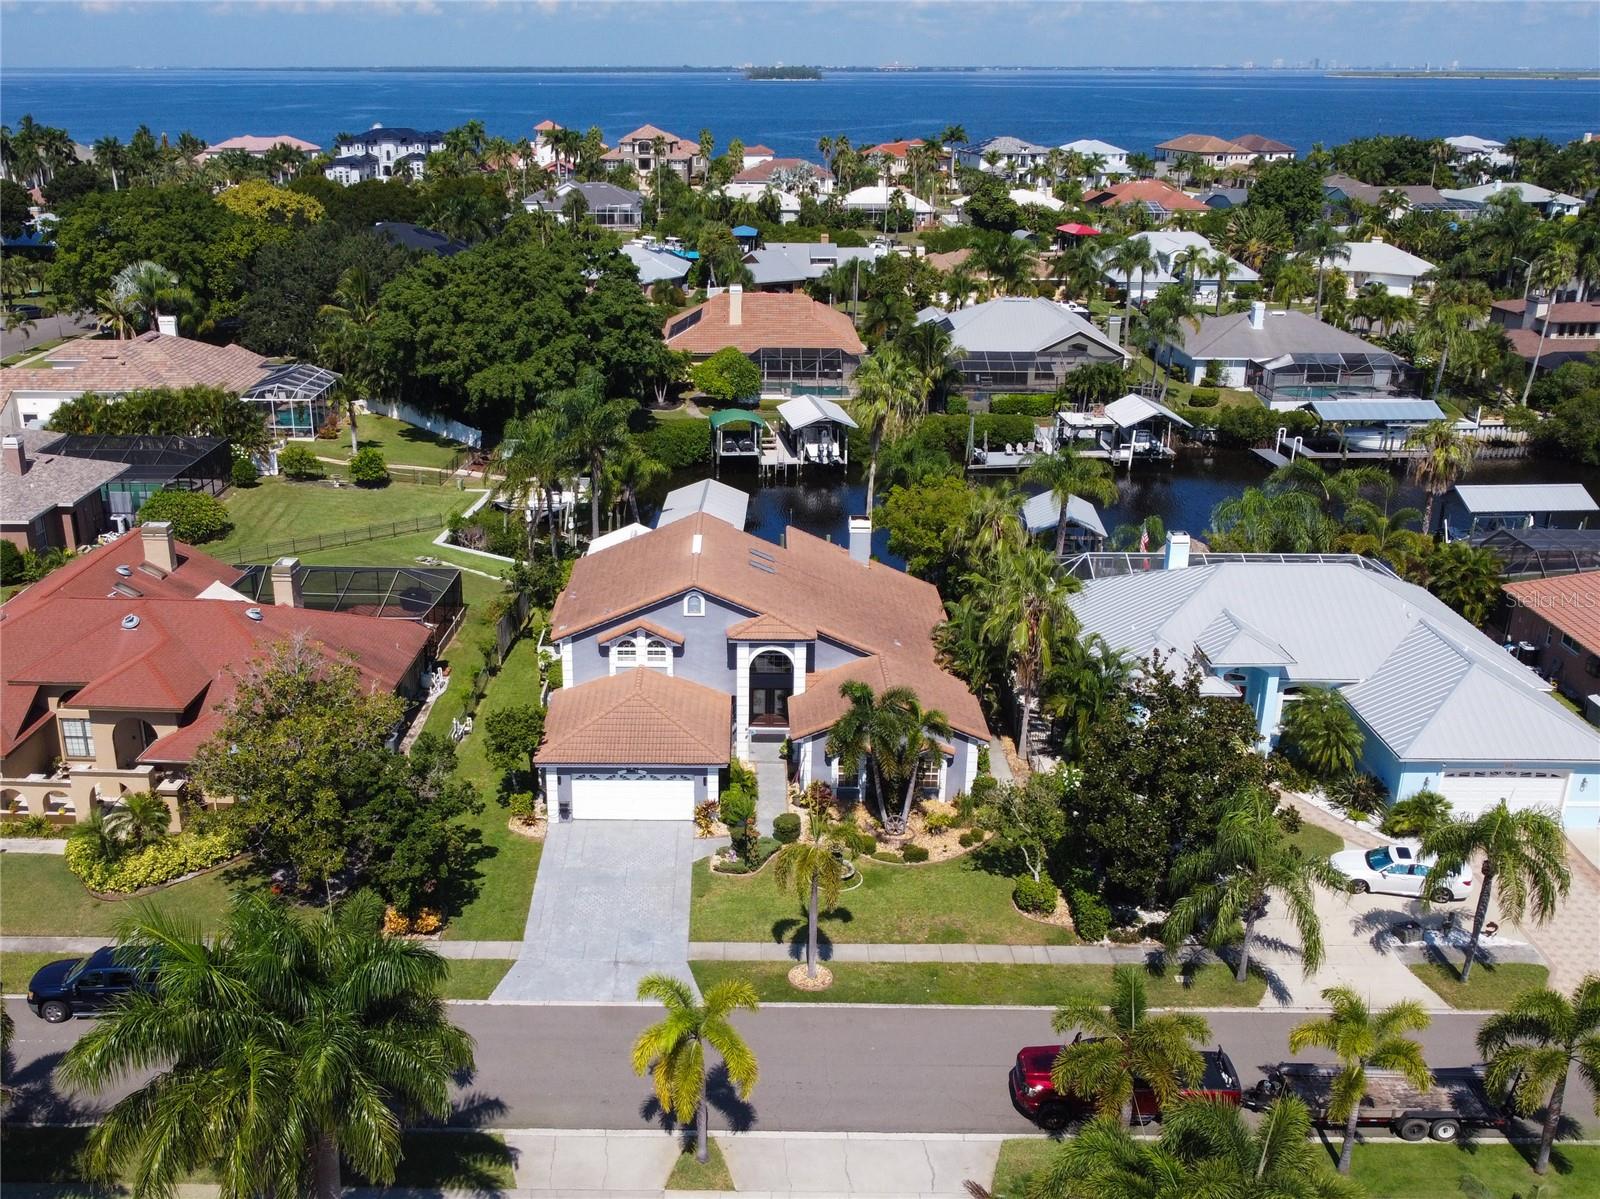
[[1090, 915], [677, 443], [1023, 405], [195, 516], [157, 863], [949, 432], [1034, 895]]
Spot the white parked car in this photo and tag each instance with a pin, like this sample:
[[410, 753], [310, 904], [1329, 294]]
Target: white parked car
[[1398, 869]]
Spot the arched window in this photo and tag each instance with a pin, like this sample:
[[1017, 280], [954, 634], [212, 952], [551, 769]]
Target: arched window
[[694, 604], [624, 654], [657, 654]]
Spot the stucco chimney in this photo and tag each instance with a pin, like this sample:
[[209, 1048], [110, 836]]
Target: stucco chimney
[[15, 455], [823, 237], [736, 304], [1177, 552], [159, 551], [1258, 314], [861, 539], [167, 326], [286, 584]]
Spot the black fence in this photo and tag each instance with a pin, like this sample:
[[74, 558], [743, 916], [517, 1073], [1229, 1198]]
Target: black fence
[[274, 550]]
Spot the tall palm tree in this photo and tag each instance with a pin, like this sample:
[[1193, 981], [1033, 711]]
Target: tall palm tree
[[532, 454], [1224, 885], [814, 867], [149, 287], [1362, 1039], [1189, 263], [993, 524], [1523, 850], [592, 426], [1085, 679], [629, 472], [1005, 259], [349, 324], [1323, 244], [1065, 475], [120, 313], [886, 402], [1025, 597], [1532, 1047], [931, 353], [1448, 326], [1127, 258], [1446, 456], [1120, 1045], [673, 1051], [1222, 267], [282, 1043], [892, 734]]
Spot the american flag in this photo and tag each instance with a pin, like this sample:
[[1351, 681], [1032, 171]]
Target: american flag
[[1144, 538]]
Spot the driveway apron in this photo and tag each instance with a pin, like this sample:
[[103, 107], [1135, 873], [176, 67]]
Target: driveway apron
[[610, 905]]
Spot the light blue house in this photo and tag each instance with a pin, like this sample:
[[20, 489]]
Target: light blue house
[[1442, 706]]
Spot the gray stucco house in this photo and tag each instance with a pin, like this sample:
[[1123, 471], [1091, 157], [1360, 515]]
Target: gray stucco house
[[682, 645]]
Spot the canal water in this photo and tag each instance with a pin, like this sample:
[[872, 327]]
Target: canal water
[[1182, 494]]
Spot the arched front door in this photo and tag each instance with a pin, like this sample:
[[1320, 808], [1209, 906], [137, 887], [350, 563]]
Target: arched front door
[[771, 685]]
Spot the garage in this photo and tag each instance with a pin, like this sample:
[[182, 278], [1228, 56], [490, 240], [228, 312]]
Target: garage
[[630, 796], [1471, 792]]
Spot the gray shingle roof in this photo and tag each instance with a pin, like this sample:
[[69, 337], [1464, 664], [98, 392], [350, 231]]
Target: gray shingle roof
[[1283, 332], [1017, 324], [52, 482]]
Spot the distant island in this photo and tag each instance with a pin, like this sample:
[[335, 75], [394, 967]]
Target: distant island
[[1466, 73], [783, 73]]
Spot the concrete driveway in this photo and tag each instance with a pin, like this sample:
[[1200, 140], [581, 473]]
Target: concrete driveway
[[611, 904]]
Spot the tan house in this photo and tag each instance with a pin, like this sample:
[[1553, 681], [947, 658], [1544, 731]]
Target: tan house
[[799, 344], [638, 150], [116, 668]]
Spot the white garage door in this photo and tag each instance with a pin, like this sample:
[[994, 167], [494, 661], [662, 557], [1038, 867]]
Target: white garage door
[[1473, 791], [607, 797]]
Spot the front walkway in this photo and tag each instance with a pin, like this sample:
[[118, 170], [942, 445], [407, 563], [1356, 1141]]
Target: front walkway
[[55, 845], [772, 783], [610, 905]]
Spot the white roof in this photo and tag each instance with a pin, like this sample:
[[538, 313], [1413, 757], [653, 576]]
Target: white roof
[[1166, 245], [1468, 141], [1088, 145], [727, 504], [1021, 195], [878, 196], [655, 265], [1529, 193], [787, 201], [616, 537], [1422, 679], [1381, 258], [810, 410], [221, 591], [1041, 512], [1526, 497], [1016, 324], [1133, 409]]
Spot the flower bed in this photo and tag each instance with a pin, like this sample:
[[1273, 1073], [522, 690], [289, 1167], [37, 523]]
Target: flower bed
[[157, 864]]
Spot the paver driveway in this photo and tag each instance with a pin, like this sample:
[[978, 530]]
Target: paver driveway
[[611, 905]]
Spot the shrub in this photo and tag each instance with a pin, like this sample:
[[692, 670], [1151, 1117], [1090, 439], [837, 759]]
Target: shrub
[[956, 405], [859, 840], [886, 855], [157, 863], [1203, 397], [677, 443], [368, 469], [195, 516], [983, 760], [1090, 916], [915, 853], [737, 866], [1126, 936], [728, 375], [298, 462], [13, 566], [786, 828], [35, 825], [1358, 794], [1034, 895], [705, 815], [1213, 375], [938, 817], [524, 805], [1023, 405], [1416, 815], [243, 473], [1289, 817]]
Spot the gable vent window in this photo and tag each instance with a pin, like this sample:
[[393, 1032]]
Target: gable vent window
[[694, 604]]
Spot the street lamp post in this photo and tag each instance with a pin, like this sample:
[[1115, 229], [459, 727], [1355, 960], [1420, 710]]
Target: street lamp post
[[1533, 369]]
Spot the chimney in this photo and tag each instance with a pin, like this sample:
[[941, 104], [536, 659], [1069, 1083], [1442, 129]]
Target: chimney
[[861, 539], [159, 551], [1258, 314], [1376, 239], [1177, 552], [823, 237], [15, 456], [736, 304], [286, 584], [167, 326]]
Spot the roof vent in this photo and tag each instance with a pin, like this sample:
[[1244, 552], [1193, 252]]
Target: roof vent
[[130, 621], [696, 545], [253, 613], [125, 571]]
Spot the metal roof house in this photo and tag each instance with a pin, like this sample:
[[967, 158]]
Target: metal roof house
[[1168, 248], [1021, 344], [1472, 509], [1442, 707], [788, 265], [656, 263], [1085, 530]]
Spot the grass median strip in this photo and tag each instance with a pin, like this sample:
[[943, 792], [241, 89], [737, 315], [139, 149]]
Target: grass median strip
[[978, 983], [691, 1174], [1487, 988], [474, 978]]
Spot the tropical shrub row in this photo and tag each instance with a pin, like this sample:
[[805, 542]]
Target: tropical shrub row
[[157, 863]]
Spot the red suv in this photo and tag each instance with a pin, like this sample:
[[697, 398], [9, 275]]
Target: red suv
[[1035, 1098]]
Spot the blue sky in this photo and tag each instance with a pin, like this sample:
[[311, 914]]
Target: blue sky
[[226, 33]]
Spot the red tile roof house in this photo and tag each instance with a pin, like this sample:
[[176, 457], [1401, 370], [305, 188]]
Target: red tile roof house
[[637, 149], [893, 154], [257, 146], [116, 666], [1160, 197], [1560, 618], [795, 340], [693, 643], [1570, 329]]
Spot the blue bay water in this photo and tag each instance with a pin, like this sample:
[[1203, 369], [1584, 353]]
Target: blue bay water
[[1133, 109]]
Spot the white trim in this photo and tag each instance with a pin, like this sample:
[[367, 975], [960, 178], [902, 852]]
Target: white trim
[[566, 663], [697, 600]]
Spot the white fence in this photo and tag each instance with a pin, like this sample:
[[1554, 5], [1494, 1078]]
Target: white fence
[[431, 421]]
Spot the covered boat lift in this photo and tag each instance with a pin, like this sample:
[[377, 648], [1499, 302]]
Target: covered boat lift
[[736, 433]]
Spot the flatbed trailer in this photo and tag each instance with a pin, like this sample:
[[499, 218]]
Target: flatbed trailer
[[1458, 1098]]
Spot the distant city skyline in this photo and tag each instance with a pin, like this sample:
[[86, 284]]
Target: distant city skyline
[[1527, 34]]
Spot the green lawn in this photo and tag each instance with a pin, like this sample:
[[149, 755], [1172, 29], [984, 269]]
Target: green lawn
[[1488, 987], [1391, 1171], [688, 1174], [1314, 841], [277, 510], [17, 968], [474, 978], [946, 903], [978, 983], [399, 443], [40, 897]]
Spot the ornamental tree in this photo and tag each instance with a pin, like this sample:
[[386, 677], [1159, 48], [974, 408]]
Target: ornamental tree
[[195, 516], [728, 375]]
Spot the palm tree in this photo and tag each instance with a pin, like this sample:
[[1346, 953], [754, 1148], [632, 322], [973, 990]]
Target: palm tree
[[1005, 259], [1523, 850], [629, 472], [1374, 533], [1085, 679], [673, 1050], [532, 454], [931, 353], [1129, 257], [1224, 885], [1446, 456], [284, 1042], [148, 287], [1320, 730], [814, 867], [1205, 1149], [885, 404], [1189, 263], [1120, 1045], [1065, 475], [891, 732], [1532, 1046], [1323, 244], [99, 833], [139, 819], [1448, 326], [1222, 267], [592, 426], [349, 325], [1361, 1039], [1464, 576]]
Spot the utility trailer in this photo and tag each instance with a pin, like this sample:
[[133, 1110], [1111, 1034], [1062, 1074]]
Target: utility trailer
[[1458, 1098]]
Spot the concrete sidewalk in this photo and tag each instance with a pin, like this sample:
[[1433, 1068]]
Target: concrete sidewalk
[[55, 845], [1007, 955]]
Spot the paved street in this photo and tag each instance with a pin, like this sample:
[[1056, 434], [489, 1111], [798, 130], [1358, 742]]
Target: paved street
[[45, 329], [823, 1069]]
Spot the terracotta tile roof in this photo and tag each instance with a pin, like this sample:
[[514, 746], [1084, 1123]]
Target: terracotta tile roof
[[763, 172], [769, 320], [768, 628], [252, 143], [545, 126], [893, 149], [1525, 342], [67, 630], [805, 584], [1567, 311], [1257, 144], [758, 148], [1137, 191], [637, 717], [629, 627], [1570, 602], [1201, 143], [150, 360]]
